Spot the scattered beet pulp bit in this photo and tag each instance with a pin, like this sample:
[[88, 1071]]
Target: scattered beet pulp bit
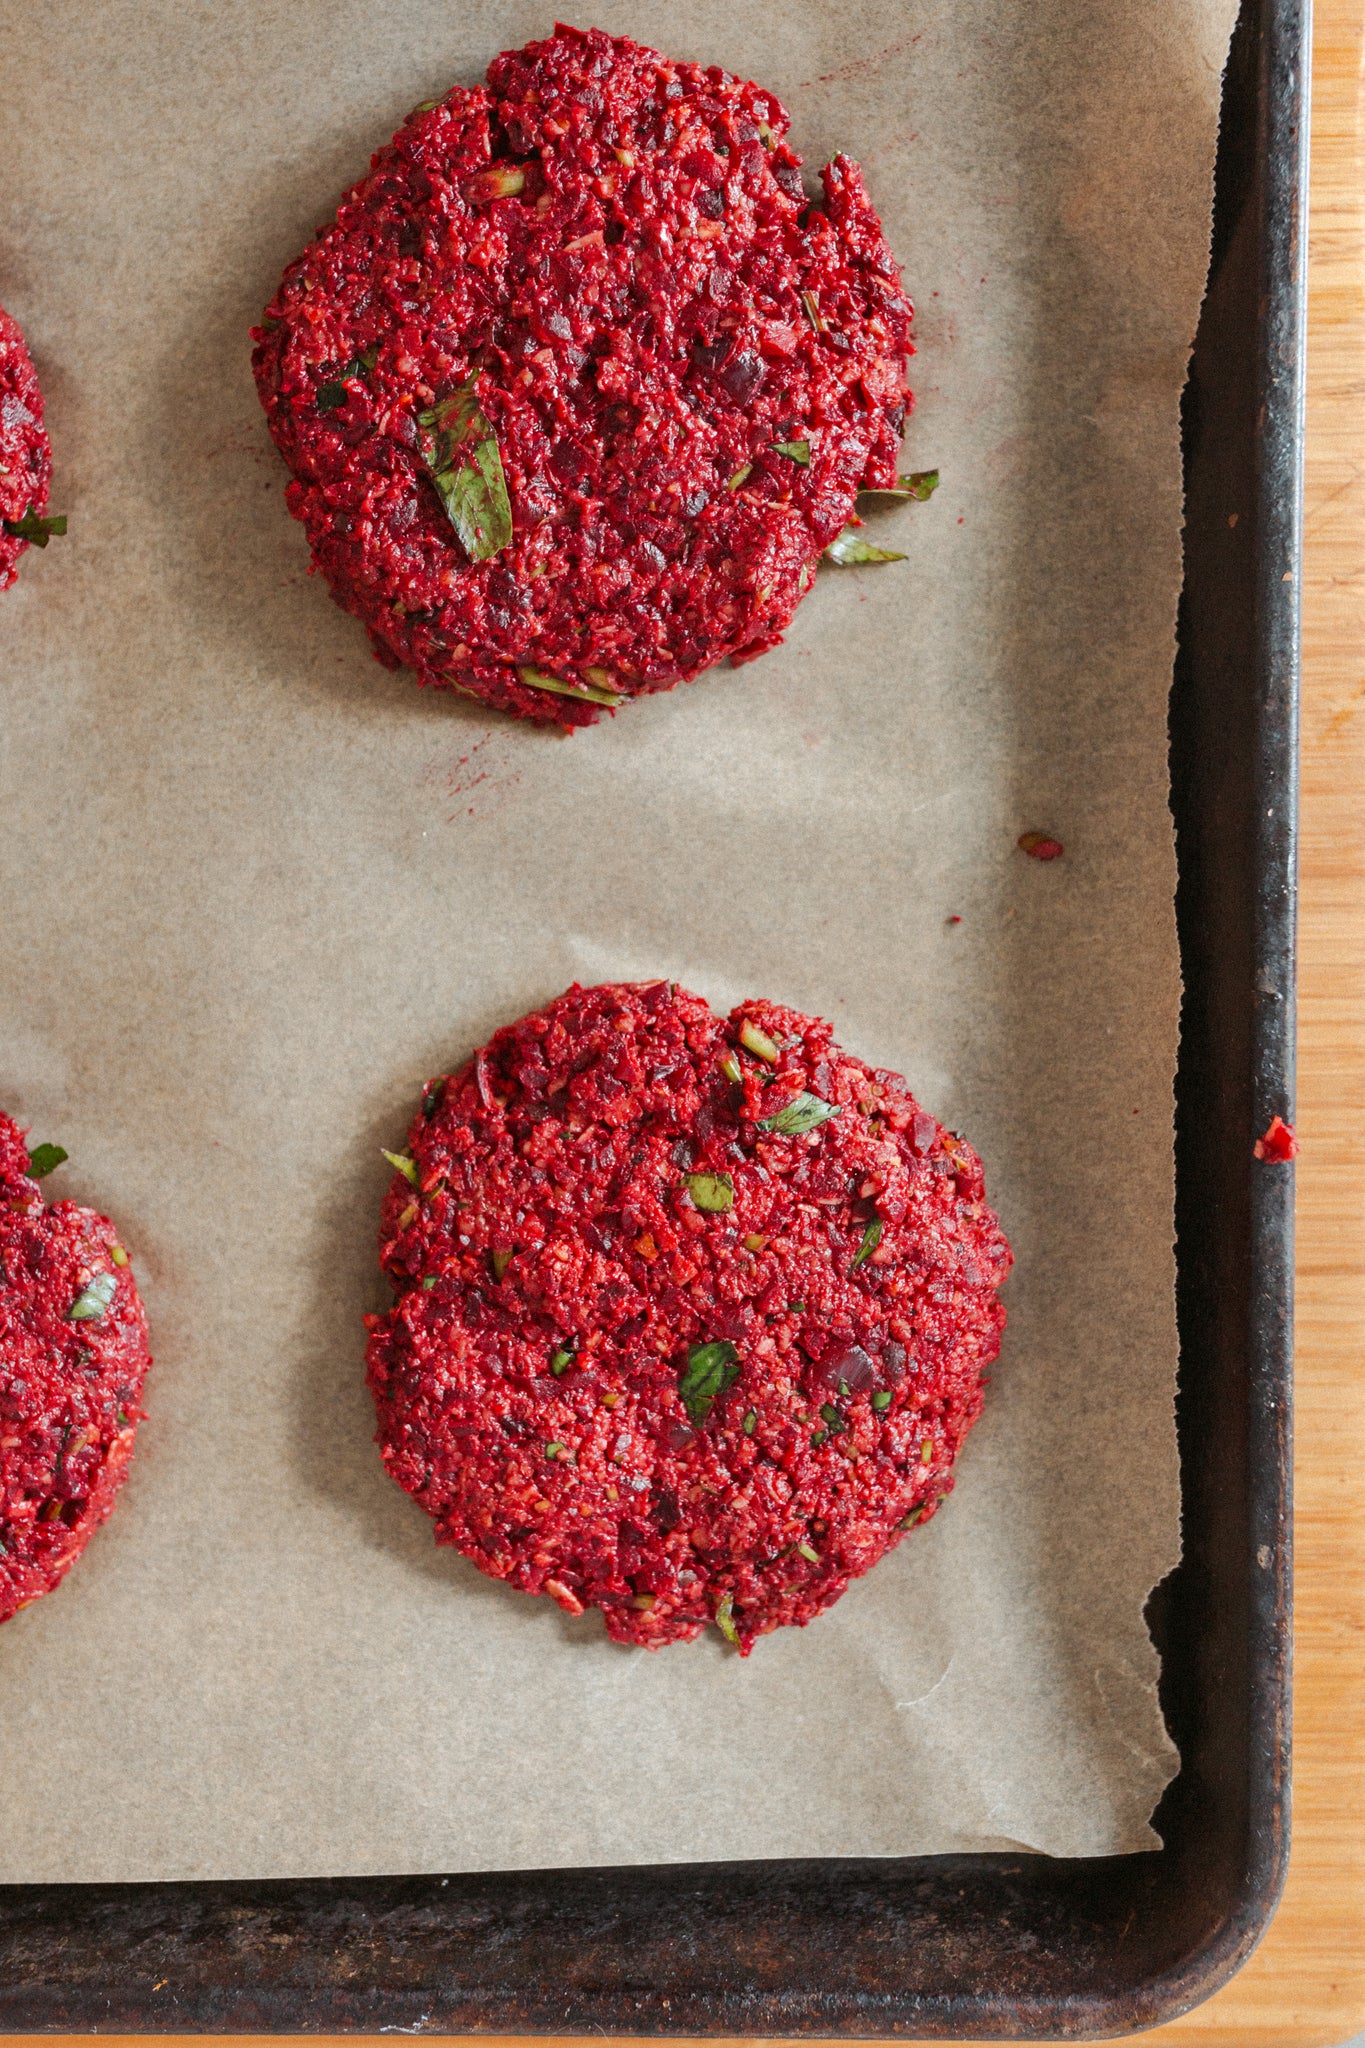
[[580, 385], [25, 454], [73, 1357], [693, 1312]]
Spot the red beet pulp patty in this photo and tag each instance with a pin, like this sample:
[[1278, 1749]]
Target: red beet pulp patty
[[73, 1356], [601, 271], [25, 456], [693, 1311]]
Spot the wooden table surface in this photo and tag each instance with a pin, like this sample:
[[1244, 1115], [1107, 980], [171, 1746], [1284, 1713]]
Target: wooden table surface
[[1305, 1986]]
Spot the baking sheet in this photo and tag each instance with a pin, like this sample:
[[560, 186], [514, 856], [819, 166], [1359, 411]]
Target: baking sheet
[[257, 889]]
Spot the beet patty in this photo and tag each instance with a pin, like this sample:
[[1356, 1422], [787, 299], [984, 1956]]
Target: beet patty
[[693, 1311], [579, 384], [73, 1356], [25, 454]]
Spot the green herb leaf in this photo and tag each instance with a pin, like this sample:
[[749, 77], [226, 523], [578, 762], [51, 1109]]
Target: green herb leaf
[[402, 1164], [920, 484], [500, 1261], [758, 1042], [818, 1439], [831, 1415], [429, 1282], [561, 1362], [35, 530], [536, 679], [461, 452], [429, 106], [881, 1399], [849, 548], [811, 1556], [334, 393], [93, 1300], [750, 1422], [711, 1368], [804, 1113], [872, 1237], [725, 1620], [43, 1158], [713, 1191], [554, 1450], [799, 451], [431, 1101]]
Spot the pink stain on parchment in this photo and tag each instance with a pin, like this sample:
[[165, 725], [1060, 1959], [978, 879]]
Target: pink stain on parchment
[[483, 783]]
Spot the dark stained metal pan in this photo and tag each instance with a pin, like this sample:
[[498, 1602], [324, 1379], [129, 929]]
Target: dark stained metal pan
[[985, 1946]]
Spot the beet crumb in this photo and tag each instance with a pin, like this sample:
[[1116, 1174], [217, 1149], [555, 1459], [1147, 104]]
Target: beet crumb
[[1280, 1143]]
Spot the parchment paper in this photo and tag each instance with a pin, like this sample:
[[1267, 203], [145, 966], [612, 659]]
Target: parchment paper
[[256, 889]]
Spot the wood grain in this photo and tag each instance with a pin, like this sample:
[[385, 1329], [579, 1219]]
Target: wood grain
[[1305, 1987]]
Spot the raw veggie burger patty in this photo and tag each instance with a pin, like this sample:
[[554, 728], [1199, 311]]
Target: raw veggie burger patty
[[25, 456], [73, 1356], [579, 385], [693, 1312]]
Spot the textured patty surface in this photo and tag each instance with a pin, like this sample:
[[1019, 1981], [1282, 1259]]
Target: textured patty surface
[[604, 263], [25, 456], [693, 1312], [73, 1357]]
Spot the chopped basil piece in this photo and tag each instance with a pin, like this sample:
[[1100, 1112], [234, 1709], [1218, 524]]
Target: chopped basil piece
[[429, 106], [811, 1556], [750, 1422], [758, 1042], [872, 1237], [402, 1164], [848, 548], [799, 451], [818, 1439], [796, 1308], [461, 453], [804, 1113], [554, 1450], [500, 1261], [714, 1191], [731, 1068], [914, 1515], [93, 1300], [756, 1243], [920, 484], [561, 1362], [725, 1620], [881, 1399], [429, 1282], [36, 530], [43, 1158], [334, 393], [536, 679], [711, 1368], [832, 1416], [431, 1101]]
